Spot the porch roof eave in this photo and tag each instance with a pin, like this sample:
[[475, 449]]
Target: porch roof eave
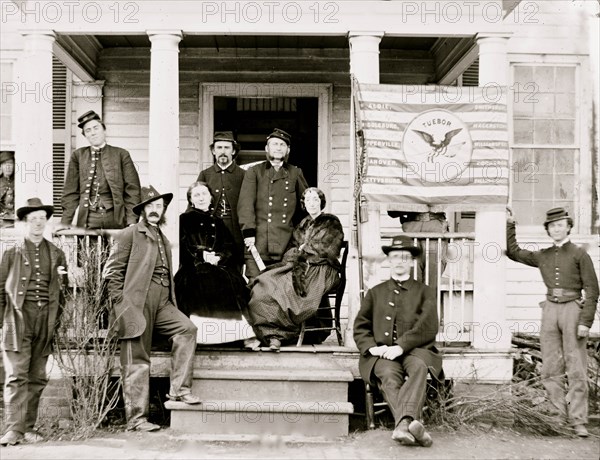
[[398, 18]]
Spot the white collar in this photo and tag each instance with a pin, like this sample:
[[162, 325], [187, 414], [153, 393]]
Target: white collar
[[560, 244]]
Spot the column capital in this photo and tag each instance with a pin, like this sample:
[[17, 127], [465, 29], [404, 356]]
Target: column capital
[[355, 33], [35, 33], [498, 36], [166, 33], [38, 39]]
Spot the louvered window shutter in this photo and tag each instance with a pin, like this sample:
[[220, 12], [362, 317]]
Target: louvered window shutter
[[61, 125]]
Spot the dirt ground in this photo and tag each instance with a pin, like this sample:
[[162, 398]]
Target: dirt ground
[[376, 444]]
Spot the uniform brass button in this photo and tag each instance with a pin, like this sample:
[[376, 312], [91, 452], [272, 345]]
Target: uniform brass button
[[386, 334], [391, 304], [389, 318], [269, 214], [20, 293], [268, 220], [396, 291]]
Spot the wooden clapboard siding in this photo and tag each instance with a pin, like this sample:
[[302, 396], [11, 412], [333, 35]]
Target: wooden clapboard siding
[[555, 27], [525, 288], [127, 91]]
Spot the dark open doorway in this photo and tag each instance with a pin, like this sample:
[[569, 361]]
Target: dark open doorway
[[252, 119]]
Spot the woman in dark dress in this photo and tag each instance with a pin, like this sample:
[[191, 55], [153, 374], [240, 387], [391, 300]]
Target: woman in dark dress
[[208, 287], [288, 293], [312, 201]]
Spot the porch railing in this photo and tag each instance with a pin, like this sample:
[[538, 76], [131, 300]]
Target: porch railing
[[78, 245], [454, 286]]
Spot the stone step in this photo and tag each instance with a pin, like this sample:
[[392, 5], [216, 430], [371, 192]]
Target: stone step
[[272, 384], [289, 358], [279, 418]]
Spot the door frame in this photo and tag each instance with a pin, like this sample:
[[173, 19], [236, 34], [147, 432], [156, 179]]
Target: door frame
[[322, 91]]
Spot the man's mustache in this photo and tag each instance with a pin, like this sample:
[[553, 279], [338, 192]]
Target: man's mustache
[[272, 158], [153, 214]]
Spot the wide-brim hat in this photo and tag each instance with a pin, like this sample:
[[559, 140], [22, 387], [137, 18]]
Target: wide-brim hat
[[555, 214], [281, 134], [224, 136], [87, 117], [34, 204], [7, 155], [149, 194], [402, 243]]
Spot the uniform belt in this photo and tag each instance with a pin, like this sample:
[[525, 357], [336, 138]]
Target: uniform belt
[[559, 295], [427, 216], [559, 292]]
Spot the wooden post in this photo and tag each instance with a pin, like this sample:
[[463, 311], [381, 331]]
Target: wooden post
[[33, 156], [163, 142], [364, 65], [490, 328]]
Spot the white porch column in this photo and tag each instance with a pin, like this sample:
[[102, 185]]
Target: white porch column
[[87, 95], [364, 65], [33, 155], [163, 145], [491, 330]]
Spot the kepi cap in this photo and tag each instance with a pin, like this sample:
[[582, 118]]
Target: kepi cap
[[86, 117], [281, 134]]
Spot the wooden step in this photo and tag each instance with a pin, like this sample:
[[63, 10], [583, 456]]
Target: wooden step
[[281, 418], [290, 358], [272, 384]]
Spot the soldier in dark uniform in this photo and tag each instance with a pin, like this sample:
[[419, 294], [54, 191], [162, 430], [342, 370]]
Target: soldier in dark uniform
[[268, 202], [395, 332], [101, 180], [32, 284], [224, 179], [567, 315], [7, 188]]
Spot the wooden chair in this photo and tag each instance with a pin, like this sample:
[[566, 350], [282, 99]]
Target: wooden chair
[[336, 295], [375, 404]]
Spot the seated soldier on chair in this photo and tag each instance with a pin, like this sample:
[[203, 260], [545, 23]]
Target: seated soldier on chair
[[395, 332]]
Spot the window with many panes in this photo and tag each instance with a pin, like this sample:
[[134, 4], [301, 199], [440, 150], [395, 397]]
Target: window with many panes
[[545, 143]]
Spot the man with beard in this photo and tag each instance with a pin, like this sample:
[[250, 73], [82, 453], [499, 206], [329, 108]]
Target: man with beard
[[224, 180], [270, 193], [140, 282], [101, 181]]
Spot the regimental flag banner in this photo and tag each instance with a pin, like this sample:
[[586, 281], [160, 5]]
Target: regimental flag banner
[[433, 147]]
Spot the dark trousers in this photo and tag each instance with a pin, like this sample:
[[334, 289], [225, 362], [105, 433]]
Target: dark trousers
[[26, 375], [403, 383], [564, 360], [234, 229], [164, 318], [102, 219]]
